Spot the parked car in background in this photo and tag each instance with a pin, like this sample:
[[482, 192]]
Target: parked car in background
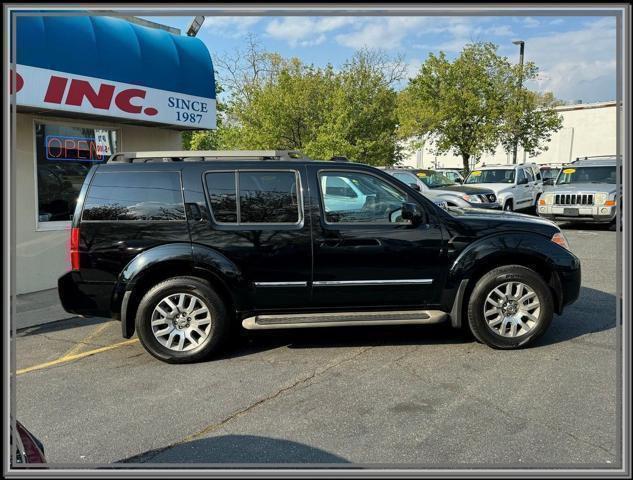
[[517, 187], [549, 172], [26, 447], [584, 191], [452, 173], [270, 242], [437, 187]]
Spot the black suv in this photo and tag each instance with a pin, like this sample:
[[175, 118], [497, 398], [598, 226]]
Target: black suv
[[180, 246]]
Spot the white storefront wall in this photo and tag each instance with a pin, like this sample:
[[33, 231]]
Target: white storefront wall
[[588, 130], [42, 247]]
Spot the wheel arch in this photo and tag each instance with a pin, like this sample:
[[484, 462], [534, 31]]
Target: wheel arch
[[156, 265], [528, 250]]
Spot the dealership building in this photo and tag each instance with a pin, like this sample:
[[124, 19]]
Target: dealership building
[[86, 87], [587, 130]]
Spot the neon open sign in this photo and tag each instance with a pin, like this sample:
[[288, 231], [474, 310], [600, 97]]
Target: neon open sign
[[76, 149]]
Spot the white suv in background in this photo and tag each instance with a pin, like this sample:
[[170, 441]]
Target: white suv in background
[[517, 186]]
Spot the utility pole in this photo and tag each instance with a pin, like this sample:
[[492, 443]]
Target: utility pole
[[521, 45]]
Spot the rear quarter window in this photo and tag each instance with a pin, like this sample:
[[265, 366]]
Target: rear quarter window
[[254, 197], [140, 196]]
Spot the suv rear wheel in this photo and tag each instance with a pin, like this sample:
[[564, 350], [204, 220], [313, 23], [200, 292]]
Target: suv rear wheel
[[510, 307], [181, 320]]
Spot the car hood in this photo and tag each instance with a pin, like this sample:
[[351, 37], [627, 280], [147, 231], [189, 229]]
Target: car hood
[[467, 189], [582, 187], [502, 220]]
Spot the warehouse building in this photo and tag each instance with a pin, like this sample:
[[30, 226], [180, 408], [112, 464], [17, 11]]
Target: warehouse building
[[588, 130]]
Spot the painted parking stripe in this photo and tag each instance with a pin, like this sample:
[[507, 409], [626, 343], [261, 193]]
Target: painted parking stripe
[[70, 358], [85, 341]]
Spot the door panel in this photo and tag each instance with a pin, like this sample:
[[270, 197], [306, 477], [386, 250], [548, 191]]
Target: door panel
[[360, 262], [274, 257]]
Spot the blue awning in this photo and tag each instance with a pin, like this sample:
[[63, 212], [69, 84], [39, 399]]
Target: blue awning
[[115, 49]]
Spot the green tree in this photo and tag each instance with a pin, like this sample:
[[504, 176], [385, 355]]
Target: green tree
[[281, 103], [457, 105], [361, 121], [529, 118]]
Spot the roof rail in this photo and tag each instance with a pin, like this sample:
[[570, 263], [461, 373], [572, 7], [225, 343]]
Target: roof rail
[[204, 156], [595, 156]]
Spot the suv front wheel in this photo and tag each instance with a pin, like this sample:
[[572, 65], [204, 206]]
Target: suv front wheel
[[510, 307], [181, 320]]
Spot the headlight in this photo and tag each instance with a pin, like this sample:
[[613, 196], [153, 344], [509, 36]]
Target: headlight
[[600, 198], [547, 199], [560, 239], [472, 198]]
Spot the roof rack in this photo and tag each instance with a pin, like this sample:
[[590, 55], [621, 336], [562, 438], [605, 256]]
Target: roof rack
[[595, 157], [204, 156]]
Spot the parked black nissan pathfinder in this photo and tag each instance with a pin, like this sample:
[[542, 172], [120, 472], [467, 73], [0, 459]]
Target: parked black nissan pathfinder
[[180, 245]]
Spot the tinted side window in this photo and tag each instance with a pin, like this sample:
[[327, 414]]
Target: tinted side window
[[337, 186], [116, 196], [268, 197], [520, 175], [529, 174], [377, 201], [221, 188]]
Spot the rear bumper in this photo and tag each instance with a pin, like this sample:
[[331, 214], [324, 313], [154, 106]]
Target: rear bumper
[[90, 299]]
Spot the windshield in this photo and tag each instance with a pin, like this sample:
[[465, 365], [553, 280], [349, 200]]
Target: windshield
[[586, 175], [549, 173], [491, 176], [433, 179]]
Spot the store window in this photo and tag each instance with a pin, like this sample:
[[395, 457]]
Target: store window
[[64, 155]]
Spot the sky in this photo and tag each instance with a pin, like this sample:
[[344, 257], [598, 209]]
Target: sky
[[576, 54]]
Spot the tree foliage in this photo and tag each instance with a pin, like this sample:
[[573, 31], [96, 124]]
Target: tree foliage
[[470, 105], [278, 103]]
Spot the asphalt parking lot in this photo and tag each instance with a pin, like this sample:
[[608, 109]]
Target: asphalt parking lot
[[400, 395]]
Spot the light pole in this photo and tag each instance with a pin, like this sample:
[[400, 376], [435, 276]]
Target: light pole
[[521, 45]]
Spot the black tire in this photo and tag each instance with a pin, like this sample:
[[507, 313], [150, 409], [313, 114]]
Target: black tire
[[486, 284], [203, 291], [508, 207]]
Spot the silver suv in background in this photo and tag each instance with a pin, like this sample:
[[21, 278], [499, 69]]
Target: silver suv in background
[[517, 187], [437, 187], [452, 173], [584, 191]]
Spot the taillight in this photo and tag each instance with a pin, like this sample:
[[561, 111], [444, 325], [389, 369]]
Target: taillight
[[74, 248]]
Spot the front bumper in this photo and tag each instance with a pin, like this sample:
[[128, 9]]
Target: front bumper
[[485, 206], [579, 213]]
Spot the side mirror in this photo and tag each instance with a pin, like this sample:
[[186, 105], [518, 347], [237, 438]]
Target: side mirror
[[415, 186], [411, 211]]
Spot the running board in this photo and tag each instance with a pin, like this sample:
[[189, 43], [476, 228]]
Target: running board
[[345, 319]]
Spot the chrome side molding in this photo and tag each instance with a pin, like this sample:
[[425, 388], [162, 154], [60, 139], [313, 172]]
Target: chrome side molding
[[281, 284], [361, 283]]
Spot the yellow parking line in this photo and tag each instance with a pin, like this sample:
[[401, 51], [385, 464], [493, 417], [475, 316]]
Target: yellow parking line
[[70, 358], [82, 343]]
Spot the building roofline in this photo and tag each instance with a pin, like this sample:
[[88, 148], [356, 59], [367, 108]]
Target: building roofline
[[585, 106]]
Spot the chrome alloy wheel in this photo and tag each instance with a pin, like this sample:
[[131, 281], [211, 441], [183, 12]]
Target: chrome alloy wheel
[[512, 309], [181, 322]]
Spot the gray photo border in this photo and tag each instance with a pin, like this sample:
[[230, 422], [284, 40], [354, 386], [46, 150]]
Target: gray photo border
[[622, 12]]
